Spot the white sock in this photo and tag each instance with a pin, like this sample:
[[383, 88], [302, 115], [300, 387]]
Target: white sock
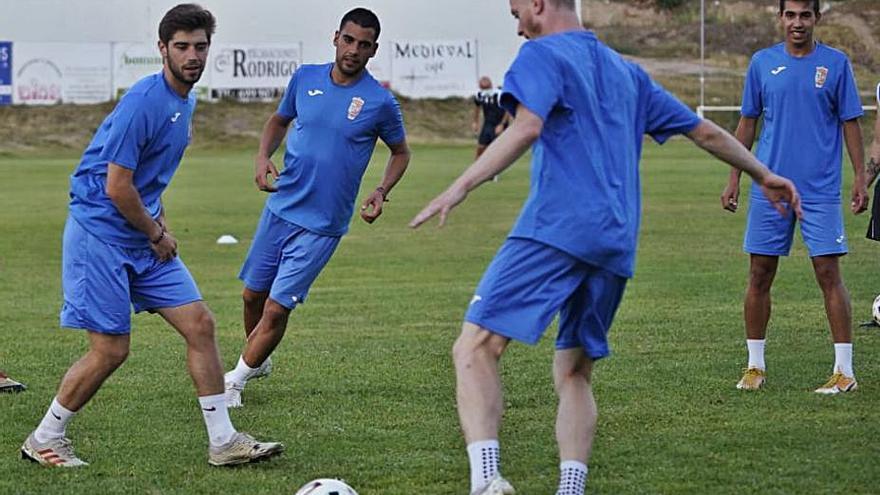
[[572, 478], [843, 359], [756, 353], [54, 423], [220, 429], [242, 372], [485, 462]]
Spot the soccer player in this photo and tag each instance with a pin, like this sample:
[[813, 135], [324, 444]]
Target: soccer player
[[806, 93], [118, 251], [339, 111], [495, 118], [9, 385], [584, 110], [872, 171]]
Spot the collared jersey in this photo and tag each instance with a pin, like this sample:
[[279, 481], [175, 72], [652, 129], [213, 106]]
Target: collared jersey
[[147, 132], [804, 101], [330, 145], [585, 193]]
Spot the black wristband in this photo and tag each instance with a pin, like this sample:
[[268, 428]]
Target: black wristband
[[158, 239]]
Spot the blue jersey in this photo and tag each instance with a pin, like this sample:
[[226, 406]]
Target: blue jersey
[[585, 193], [804, 101], [147, 132], [330, 146]]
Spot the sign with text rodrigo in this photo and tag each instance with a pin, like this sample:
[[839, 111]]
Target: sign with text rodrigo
[[434, 69], [252, 71]]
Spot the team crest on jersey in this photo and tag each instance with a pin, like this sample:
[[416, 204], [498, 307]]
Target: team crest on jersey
[[354, 109], [821, 76]]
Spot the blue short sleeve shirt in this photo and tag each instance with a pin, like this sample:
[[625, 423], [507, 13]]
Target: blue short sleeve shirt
[[147, 133], [329, 147], [803, 102], [585, 193]]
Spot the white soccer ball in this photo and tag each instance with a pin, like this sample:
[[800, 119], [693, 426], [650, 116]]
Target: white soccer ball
[[326, 487], [875, 310]]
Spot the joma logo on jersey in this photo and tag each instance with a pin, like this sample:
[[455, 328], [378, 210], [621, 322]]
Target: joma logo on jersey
[[354, 109], [821, 76]]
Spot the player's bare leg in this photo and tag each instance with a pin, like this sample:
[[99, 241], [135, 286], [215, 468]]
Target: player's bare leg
[[254, 302], [756, 310], [195, 323], [48, 444], [263, 340], [576, 416], [478, 392], [839, 312]]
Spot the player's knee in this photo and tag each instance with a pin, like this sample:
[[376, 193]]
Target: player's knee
[[828, 277], [476, 343], [275, 315], [114, 356], [253, 298], [761, 277], [201, 328]]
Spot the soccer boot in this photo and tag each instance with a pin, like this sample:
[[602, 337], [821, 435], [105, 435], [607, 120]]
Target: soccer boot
[[9, 385], [264, 370], [753, 379], [838, 383], [242, 449], [498, 486], [57, 452]]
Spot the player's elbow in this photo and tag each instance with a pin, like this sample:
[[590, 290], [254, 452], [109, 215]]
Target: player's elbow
[[530, 130]]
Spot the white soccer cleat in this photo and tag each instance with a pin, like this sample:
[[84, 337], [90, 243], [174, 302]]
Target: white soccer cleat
[[233, 394], [54, 453], [498, 486], [242, 449], [264, 370]]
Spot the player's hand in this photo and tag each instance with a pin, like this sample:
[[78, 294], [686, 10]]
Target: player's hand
[[499, 129], [782, 194], [859, 201], [475, 127], [371, 209], [730, 197], [441, 205], [166, 248], [264, 167]]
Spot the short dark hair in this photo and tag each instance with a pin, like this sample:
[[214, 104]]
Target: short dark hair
[[364, 18], [816, 5], [569, 4], [186, 17]]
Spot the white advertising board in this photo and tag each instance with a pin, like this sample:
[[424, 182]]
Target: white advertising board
[[249, 71], [50, 73], [434, 68]]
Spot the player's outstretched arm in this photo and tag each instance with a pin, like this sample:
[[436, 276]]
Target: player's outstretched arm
[[852, 136], [722, 145], [126, 199], [273, 133], [397, 164], [524, 131]]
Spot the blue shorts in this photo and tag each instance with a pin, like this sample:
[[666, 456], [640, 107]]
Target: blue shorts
[[102, 281], [529, 283], [285, 259], [769, 233]]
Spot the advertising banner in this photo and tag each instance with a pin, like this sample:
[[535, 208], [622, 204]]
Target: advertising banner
[[50, 73], [5, 73], [252, 71], [434, 69], [134, 61]]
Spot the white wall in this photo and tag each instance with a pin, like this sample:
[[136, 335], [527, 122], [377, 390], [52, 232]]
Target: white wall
[[310, 21]]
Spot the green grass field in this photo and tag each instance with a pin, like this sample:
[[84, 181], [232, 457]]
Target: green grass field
[[363, 386]]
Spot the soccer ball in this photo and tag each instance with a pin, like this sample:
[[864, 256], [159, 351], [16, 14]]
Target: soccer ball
[[326, 487], [875, 310]]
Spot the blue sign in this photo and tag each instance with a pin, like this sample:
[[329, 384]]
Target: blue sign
[[5, 72]]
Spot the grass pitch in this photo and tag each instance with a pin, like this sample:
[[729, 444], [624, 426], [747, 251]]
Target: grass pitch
[[363, 387]]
